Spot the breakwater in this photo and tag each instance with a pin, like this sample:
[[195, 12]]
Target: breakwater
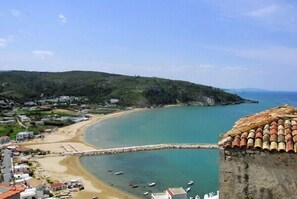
[[136, 149]]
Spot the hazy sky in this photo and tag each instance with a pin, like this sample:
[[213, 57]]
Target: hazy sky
[[222, 43]]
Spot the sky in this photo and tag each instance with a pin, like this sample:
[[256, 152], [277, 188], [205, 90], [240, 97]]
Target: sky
[[221, 43]]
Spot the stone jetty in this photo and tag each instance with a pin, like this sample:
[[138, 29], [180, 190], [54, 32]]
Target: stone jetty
[[136, 149]]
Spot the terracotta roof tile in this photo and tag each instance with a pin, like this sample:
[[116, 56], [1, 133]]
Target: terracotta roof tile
[[295, 147], [294, 132], [274, 123], [281, 138], [273, 146], [266, 145], [289, 146], [273, 138], [243, 143], [275, 131], [244, 135], [251, 135], [266, 138], [259, 129], [266, 131], [280, 127], [236, 142], [280, 122], [259, 135], [250, 143], [281, 147], [258, 143], [281, 132], [288, 137], [295, 138], [288, 130]]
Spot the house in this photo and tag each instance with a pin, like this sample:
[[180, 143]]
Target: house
[[4, 139], [114, 101], [28, 194], [24, 118], [30, 103], [11, 192], [24, 150], [24, 135], [58, 186], [42, 191], [64, 98], [21, 168]]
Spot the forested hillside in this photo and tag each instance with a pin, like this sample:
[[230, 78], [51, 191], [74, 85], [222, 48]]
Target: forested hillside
[[101, 87]]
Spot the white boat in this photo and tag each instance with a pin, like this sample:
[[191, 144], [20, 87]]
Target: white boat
[[151, 184], [188, 189], [145, 193], [212, 195], [197, 197], [190, 183], [119, 173]]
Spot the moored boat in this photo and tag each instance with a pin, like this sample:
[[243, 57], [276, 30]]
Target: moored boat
[[188, 189], [197, 197], [135, 186], [119, 173], [190, 182], [151, 184], [145, 193]]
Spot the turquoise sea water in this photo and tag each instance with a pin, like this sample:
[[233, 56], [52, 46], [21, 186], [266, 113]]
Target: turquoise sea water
[[170, 168]]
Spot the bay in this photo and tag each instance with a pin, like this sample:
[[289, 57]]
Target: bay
[[170, 168]]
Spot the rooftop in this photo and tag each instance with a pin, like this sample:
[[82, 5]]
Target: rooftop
[[272, 130], [176, 191], [8, 191]]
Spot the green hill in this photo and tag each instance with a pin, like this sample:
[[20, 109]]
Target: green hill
[[101, 87]]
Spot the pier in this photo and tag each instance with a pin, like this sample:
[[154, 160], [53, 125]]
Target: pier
[[135, 149]]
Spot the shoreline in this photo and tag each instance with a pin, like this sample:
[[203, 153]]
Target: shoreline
[[69, 167]]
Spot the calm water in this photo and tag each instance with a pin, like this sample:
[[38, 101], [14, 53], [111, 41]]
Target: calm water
[[171, 168]]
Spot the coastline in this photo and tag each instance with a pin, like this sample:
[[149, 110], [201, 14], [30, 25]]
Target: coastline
[[67, 168]]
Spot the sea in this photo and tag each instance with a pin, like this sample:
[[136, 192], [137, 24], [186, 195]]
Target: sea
[[171, 168]]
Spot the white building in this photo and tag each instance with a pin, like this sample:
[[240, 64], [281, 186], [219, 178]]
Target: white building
[[28, 194], [176, 193], [24, 135], [171, 193], [24, 118], [159, 196], [114, 101], [22, 168]]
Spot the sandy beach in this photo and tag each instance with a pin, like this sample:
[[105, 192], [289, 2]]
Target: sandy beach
[[71, 138]]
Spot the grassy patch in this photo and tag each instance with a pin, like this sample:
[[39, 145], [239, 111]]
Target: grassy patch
[[10, 130]]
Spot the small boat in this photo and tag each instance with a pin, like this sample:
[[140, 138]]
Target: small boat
[[188, 189], [151, 184], [197, 197], [109, 170], [135, 186], [119, 173], [145, 193], [190, 183]]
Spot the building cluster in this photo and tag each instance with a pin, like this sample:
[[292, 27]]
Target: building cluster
[[36, 117], [18, 179]]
